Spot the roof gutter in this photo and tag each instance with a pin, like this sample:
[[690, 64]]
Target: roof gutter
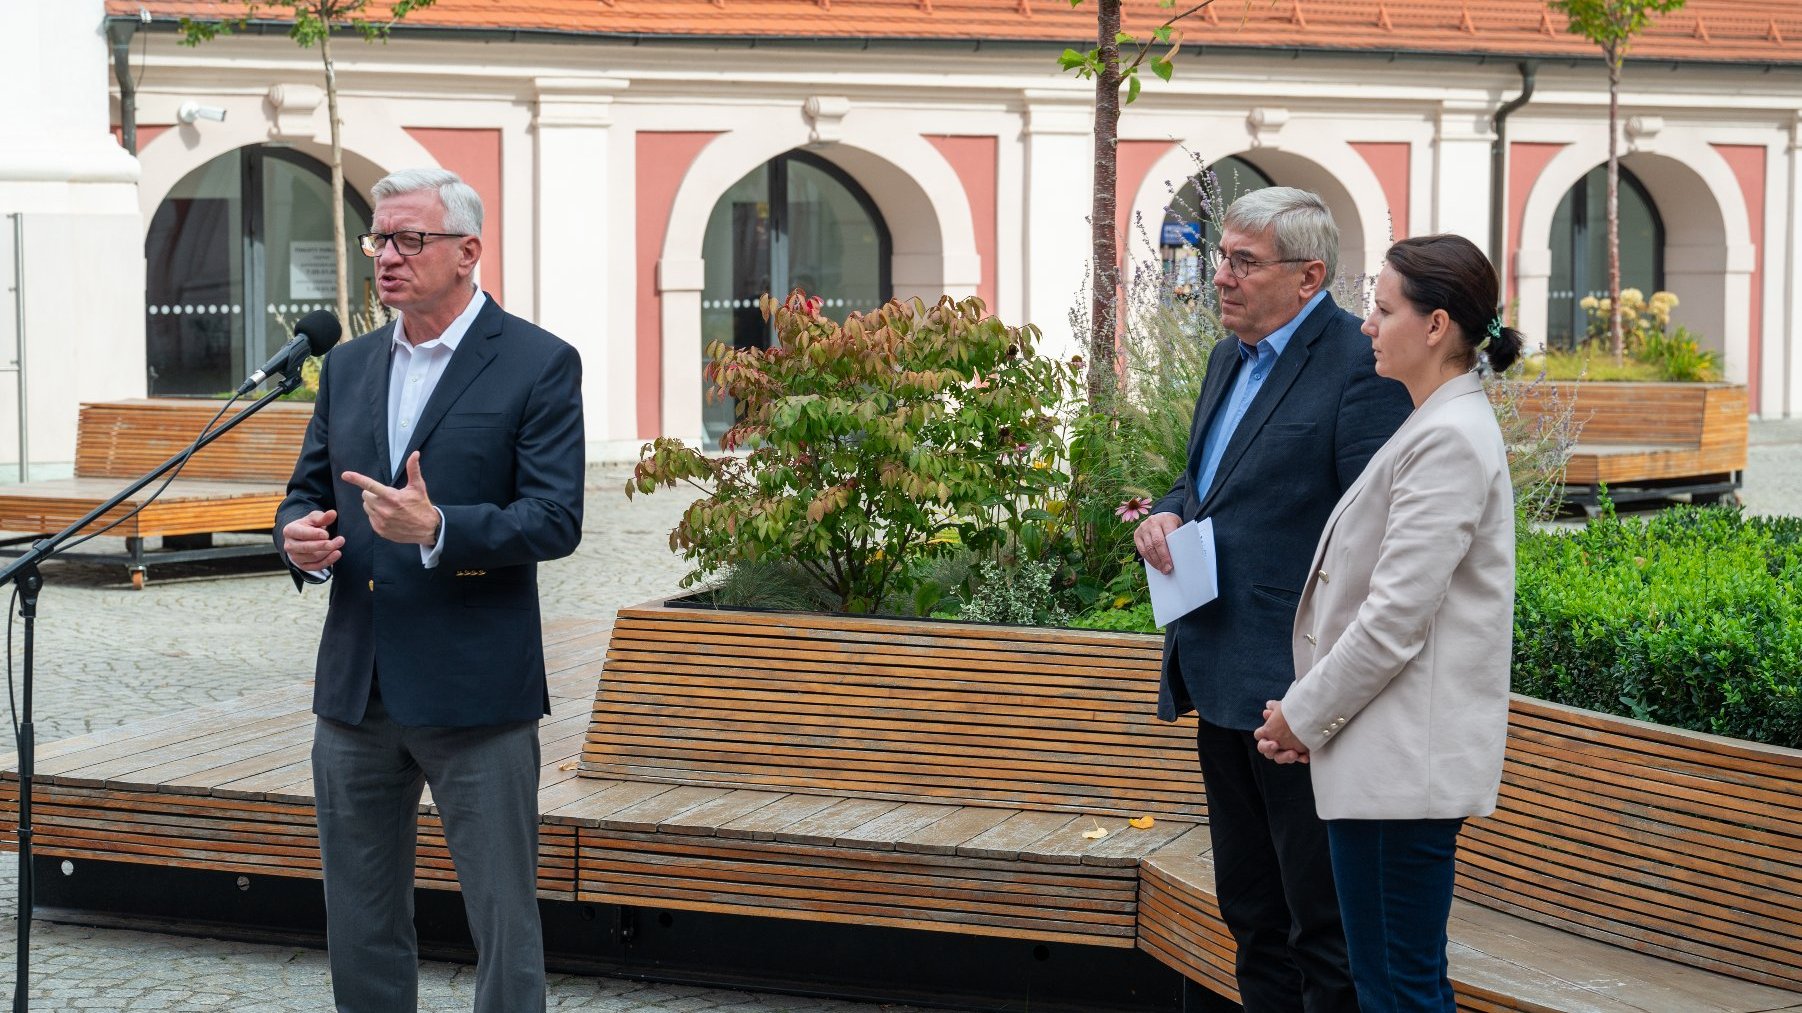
[[1498, 177], [867, 42]]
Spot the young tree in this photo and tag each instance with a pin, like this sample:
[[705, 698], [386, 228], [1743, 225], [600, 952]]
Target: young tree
[[1612, 24], [314, 21], [1114, 63]]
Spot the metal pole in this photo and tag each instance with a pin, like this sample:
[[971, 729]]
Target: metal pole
[[19, 329]]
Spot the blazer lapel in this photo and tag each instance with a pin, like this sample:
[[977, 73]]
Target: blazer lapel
[[1458, 386], [473, 354], [1223, 365], [1288, 367], [374, 392]]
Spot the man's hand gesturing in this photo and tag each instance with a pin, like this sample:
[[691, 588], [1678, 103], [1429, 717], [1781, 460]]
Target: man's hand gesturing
[[399, 515], [1149, 538], [308, 542]]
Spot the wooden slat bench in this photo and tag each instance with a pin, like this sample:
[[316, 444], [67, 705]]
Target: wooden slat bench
[[842, 769], [233, 485], [228, 787], [1630, 867], [1649, 440]]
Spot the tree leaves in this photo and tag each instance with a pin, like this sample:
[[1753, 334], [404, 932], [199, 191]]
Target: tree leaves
[[870, 445]]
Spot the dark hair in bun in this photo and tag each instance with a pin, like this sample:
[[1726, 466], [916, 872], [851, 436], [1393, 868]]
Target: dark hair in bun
[[1447, 272]]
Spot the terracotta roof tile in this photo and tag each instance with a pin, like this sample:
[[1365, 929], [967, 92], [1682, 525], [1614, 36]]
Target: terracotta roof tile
[[1758, 31]]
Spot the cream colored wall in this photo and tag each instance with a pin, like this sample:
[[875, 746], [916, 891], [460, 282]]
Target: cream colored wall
[[570, 115]]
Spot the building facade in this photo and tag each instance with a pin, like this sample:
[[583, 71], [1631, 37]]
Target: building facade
[[650, 168]]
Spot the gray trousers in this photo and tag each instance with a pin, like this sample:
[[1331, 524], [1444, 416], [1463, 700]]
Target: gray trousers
[[367, 780]]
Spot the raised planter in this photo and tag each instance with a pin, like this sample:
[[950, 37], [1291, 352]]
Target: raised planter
[[1680, 851], [1649, 440]]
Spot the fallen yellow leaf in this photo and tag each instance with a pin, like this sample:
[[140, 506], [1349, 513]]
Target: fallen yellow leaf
[[1096, 834], [571, 765], [1141, 823]]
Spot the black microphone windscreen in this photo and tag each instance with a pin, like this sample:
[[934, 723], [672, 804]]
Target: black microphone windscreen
[[322, 330]]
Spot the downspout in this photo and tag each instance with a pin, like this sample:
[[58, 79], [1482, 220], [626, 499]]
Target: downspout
[[1498, 176], [119, 32]]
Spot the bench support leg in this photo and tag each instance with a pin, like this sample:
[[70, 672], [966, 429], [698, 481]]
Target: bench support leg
[[135, 546]]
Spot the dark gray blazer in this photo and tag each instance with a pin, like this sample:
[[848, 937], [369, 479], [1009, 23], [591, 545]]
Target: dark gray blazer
[[1309, 432], [501, 451]]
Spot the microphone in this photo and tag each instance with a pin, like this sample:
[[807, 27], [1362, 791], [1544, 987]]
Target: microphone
[[316, 333]]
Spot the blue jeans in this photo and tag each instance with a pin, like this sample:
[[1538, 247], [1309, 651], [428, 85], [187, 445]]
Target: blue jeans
[[1395, 897]]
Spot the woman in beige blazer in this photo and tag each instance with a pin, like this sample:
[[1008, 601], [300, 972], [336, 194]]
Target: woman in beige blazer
[[1403, 633]]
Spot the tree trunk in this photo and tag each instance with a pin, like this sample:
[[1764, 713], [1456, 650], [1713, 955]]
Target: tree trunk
[[340, 242], [1616, 334], [1104, 311]]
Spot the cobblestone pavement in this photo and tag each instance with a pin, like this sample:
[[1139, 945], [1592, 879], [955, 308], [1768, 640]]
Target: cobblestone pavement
[[108, 655]]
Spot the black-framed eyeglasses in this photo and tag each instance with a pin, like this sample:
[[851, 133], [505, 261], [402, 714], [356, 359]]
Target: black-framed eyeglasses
[[406, 243], [1241, 263]]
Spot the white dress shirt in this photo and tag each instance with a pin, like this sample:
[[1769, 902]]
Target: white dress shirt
[[413, 373]]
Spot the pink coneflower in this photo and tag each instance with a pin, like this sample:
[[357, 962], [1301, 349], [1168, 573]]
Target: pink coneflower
[[1133, 509]]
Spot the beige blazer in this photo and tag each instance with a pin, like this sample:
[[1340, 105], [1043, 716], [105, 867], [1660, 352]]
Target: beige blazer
[[1404, 630]]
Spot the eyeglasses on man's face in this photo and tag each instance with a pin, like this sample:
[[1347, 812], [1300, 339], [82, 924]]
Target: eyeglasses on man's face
[[1241, 263], [405, 243]]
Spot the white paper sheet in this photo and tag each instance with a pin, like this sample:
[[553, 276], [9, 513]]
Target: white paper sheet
[[1194, 578]]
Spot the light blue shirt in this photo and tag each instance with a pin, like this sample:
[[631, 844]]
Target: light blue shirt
[[1255, 364]]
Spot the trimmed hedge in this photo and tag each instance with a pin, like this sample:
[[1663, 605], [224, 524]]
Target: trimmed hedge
[[1691, 618]]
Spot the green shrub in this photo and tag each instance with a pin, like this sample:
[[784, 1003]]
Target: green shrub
[[872, 445], [1690, 619]]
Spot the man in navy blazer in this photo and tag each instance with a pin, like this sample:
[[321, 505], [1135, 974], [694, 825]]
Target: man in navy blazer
[[444, 461], [1289, 414]]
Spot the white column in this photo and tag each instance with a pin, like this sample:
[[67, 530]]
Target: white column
[[1055, 237], [575, 281], [1461, 170], [679, 285], [1785, 399], [1533, 277], [82, 299]]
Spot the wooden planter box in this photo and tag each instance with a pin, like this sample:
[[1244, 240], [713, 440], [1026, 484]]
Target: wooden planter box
[[1647, 440]]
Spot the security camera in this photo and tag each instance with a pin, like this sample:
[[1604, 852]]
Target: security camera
[[191, 111]]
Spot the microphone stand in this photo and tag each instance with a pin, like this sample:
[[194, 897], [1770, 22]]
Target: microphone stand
[[24, 572]]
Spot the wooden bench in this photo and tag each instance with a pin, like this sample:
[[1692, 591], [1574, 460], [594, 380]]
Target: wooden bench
[[233, 485], [926, 782], [833, 768], [1649, 440], [1629, 867], [228, 786]]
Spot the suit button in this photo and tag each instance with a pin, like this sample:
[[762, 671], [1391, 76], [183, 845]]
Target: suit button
[[1324, 579]]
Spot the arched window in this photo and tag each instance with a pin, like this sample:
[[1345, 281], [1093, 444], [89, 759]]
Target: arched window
[[238, 251], [1579, 246], [797, 221], [1188, 226]]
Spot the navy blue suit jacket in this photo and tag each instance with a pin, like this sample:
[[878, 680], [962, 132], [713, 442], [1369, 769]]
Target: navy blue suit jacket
[[1314, 424], [501, 452]]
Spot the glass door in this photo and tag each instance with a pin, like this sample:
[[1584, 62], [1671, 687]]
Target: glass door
[[795, 221], [237, 253]]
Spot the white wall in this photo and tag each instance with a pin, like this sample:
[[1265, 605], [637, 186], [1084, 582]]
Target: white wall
[[81, 232], [570, 114]]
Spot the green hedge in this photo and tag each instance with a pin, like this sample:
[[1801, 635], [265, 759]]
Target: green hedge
[[1691, 617], [1688, 618]]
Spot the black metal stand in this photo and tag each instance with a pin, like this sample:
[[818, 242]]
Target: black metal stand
[[24, 572]]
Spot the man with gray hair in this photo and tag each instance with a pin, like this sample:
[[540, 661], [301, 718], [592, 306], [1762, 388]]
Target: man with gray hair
[[1289, 414], [443, 463]]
